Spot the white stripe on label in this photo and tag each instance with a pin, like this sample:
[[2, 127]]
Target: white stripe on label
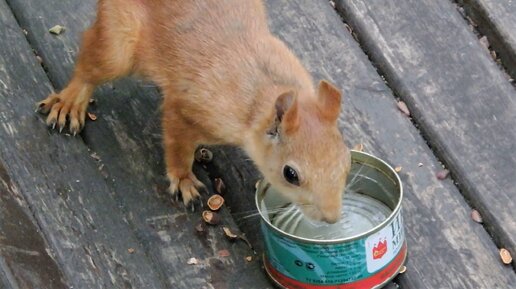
[[383, 246]]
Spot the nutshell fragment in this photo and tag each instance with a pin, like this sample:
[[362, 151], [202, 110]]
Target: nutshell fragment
[[475, 215], [203, 155], [224, 253], [220, 187], [192, 261], [506, 256], [56, 30], [402, 106], [441, 175], [230, 235], [215, 202], [210, 217]]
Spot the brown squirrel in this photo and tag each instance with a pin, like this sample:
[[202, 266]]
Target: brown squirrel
[[226, 80]]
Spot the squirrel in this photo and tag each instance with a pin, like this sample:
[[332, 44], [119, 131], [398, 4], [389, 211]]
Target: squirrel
[[225, 79]]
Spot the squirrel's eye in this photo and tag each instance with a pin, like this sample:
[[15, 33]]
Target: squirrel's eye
[[290, 175]]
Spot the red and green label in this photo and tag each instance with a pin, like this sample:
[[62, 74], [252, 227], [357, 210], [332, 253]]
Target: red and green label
[[362, 263]]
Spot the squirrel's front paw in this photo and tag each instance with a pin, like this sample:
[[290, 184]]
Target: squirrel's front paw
[[61, 108], [188, 186]]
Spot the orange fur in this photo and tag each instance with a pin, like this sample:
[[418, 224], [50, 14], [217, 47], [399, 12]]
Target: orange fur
[[222, 74]]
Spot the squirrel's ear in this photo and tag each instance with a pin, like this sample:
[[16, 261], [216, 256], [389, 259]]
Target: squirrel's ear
[[329, 101], [287, 119]]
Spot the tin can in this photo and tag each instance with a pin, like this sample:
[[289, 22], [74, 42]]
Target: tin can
[[368, 258]]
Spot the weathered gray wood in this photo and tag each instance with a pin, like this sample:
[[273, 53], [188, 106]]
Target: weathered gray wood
[[437, 232], [127, 140], [86, 232], [391, 285], [459, 97], [6, 281], [24, 256], [447, 249], [4, 284], [497, 20]]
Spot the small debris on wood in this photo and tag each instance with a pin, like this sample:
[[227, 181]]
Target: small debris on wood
[[131, 250], [200, 228], [441, 175], [220, 187], [420, 164], [92, 116], [95, 156], [358, 147], [224, 253], [471, 22], [58, 29], [398, 169], [39, 59], [215, 202], [92, 100], [350, 30], [403, 269], [461, 11], [493, 55], [230, 235], [203, 155], [249, 258], [25, 31], [244, 238], [192, 261], [210, 217], [475, 215], [403, 108], [485, 43], [483, 40], [506, 256]]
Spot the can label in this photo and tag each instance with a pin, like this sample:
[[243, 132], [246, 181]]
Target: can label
[[383, 246], [369, 261]]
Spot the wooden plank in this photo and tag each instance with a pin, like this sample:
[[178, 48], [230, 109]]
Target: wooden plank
[[87, 234], [24, 255], [165, 231], [497, 20], [447, 249], [459, 97], [6, 281], [366, 112]]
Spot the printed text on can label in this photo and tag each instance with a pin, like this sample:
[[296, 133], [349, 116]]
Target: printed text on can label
[[338, 263]]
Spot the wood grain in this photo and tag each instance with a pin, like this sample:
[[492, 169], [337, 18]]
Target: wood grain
[[126, 141], [497, 20], [439, 229], [459, 97], [25, 261], [66, 192]]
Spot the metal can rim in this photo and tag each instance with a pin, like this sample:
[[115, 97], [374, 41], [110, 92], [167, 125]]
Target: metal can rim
[[262, 187]]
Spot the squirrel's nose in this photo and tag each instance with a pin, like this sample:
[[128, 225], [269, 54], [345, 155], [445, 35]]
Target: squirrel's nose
[[331, 217]]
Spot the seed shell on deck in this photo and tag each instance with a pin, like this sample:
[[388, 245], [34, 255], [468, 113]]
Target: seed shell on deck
[[475, 215], [506, 256], [215, 202]]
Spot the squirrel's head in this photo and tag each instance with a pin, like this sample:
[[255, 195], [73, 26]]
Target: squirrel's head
[[304, 155]]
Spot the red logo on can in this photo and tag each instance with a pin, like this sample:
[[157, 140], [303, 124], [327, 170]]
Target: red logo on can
[[379, 249]]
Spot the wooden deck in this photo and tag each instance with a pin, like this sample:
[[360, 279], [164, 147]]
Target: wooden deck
[[92, 211]]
